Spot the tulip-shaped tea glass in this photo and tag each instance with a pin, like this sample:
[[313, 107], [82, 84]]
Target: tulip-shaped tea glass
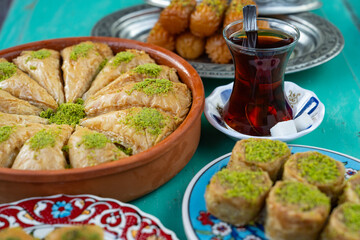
[[257, 101]]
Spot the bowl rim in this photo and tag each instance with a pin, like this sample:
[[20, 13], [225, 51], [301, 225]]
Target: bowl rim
[[151, 154]]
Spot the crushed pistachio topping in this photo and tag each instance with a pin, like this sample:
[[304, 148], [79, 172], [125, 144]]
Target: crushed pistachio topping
[[7, 70], [150, 69], [148, 119], [66, 113], [75, 234], [5, 132], [153, 86], [318, 168], [305, 197], [80, 50], [65, 148], [102, 64], [94, 140], [127, 151], [351, 214], [122, 57], [217, 6], [32, 67], [42, 139], [40, 54], [182, 3], [247, 184], [264, 150]]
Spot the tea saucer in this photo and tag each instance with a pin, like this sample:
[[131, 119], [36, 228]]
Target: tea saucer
[[299, 99]]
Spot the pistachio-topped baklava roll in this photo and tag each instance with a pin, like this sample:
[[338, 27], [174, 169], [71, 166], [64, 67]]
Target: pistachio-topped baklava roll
[[317, 169], [352, 190], [14, 233], [269, 155], [295, 211], [344, 223], [88, 231], [237, 196]]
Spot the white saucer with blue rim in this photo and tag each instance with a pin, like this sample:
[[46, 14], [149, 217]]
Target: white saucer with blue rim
[[300, 100]]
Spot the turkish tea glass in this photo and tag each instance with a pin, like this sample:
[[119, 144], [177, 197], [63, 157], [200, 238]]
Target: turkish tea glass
[[257, 101]]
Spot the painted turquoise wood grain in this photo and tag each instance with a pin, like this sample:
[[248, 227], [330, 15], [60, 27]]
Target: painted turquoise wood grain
[[336, 83]]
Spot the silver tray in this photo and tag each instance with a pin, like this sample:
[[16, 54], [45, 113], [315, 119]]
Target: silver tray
[[266, 7], [320, 40]]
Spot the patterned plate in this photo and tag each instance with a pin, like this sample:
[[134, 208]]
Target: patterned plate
[[199, 224], [41, 215], [299, 99], [319, 42]]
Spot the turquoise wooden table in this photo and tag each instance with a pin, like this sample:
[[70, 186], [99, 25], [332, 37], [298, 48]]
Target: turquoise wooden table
[[336, 83]]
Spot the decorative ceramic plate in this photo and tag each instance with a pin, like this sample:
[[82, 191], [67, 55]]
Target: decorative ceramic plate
[[300, 100], [266, 7], [199, 224], [319, 42], [40, 215]]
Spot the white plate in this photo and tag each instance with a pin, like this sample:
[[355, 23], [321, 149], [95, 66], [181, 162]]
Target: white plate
[[299, 99]]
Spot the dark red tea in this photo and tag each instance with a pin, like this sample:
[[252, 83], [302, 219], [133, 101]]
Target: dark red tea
[[257, 101]]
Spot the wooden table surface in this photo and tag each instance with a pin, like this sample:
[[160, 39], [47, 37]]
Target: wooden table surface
[[336, 83]]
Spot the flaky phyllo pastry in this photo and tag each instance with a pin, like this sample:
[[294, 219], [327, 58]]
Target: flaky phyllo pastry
[[85, 105]]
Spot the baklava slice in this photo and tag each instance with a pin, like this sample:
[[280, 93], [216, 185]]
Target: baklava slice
[[10, 119], [11, 104], [295, 211], [20, 85], [90, 148], [12, 138], [267, 154], [44, 67], [344, 223], [317, 169], [14, 233], [237, 196], [122, 62], [43, 151], [170, 97], [135, 128], [351, 190], [81, 63]]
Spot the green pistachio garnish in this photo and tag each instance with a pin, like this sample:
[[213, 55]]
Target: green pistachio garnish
[[148, 119], [67, 113], [80, 50], [150, 69], [303, 196], [42, 139], [5, 132], [247, 184], [40, 54], [153, 86], [122, 57], [318, 168], [264, 150], [7, 70], [94, 140], [351, 213]]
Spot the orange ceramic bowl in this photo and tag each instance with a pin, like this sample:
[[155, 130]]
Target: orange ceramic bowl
[[129, 178]]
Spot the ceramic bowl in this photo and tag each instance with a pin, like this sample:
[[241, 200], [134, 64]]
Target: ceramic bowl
[[129, 178], [299, 99]]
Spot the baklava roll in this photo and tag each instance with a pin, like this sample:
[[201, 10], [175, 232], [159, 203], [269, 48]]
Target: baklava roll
[[160, 37], [235, 11], [44, 67], [207, 17], [122, 62], [344, 223], [43, 151], [295, 211], [351, 190], [237, 196], [269, 155], [90, 148], [134, 128], [170, 97], [317, 169], [176, 16], [15, 233], [189, 46]]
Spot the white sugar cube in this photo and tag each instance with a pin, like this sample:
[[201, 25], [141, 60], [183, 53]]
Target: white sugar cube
[[303, 122], [284, 128]]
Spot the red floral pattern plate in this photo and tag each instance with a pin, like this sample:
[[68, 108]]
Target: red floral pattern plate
[[40, 215]]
